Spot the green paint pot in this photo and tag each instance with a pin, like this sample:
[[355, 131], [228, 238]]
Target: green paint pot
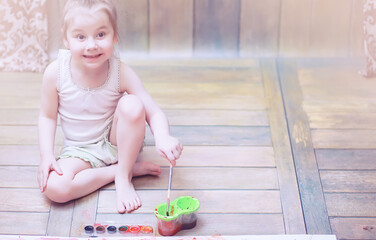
[[181, 215]]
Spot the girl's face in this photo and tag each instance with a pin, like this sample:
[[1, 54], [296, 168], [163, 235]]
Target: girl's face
[[90, 37]]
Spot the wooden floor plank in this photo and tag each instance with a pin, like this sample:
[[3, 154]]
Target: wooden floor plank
[[219, 135], [215, 156], [203, 74], [194, 178], [344, 139], [214, 224], [193, 63], [19, 116], [351, 204], [312, 197], [218, 201], [18, 176], [24, 135], [209, 135], [346, 159], [23, 200], [354, 228], [19, 155], [212, 178], [23, 223], [342, 120], [84, 212], [348, 181], [60, 219], [205, 156], [290, 198], [207, 117], [210, 117]]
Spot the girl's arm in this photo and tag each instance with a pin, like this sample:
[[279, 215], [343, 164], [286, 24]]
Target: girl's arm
[[167, 146], [47, 125]]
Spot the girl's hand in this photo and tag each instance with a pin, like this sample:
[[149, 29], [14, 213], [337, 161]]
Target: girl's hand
[[169, 148], [44, 170]]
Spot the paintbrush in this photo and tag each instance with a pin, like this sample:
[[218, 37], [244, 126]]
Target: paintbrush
[[168, 191]]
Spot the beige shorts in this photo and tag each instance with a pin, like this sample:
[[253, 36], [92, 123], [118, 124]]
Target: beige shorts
[[99, 154]]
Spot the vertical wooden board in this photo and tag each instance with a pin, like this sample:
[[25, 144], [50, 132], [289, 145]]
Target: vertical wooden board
[[171, 28], [356, 29], [133, 27], [312, 197], [54, 18], [330, 27], [216, 28], [290, 198], [259, 28], [354, 228], [23, 223], [294, 28]]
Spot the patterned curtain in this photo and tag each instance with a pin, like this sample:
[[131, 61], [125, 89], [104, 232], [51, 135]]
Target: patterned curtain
[[23, 35], [369, 10]]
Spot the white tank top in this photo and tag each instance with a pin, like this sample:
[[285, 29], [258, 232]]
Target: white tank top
[[86, 113]]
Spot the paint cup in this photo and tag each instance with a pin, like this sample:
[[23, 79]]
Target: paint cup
[[167, 225], [100, 229], [181, 215], [123, 229], [111, 229], [89, 229], [188, 206]]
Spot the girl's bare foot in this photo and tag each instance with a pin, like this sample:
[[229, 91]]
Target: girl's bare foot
[[146, 168], [127, 198]]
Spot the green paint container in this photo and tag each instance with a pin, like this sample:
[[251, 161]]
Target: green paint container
[[181, 215]]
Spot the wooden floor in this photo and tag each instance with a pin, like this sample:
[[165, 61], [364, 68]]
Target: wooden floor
[[272, 146]]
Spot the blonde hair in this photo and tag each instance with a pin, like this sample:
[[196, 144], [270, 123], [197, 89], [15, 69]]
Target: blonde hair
[[106, 5]]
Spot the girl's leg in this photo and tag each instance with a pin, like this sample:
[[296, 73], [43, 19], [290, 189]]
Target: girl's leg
[[78, 180], [127, 133]]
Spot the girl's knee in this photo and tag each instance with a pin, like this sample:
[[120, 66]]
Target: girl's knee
[[58, 189], [131, 108]]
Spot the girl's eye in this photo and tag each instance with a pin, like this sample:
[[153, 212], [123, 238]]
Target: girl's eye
[[101, 35], [80, 37]]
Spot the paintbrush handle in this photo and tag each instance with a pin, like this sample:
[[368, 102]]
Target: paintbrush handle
[[169, 191]]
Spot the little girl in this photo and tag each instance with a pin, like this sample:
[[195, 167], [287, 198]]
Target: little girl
[[102, 106]]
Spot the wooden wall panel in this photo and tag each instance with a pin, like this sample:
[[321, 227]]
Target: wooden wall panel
[[356, 45], [259, 28], [133, 26], [294, 28], [171, 27], [330, 28], [216, 28], [231, 28], [55, 40]]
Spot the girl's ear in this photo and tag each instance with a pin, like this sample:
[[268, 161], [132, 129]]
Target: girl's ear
[[66, 43], [116, 39]]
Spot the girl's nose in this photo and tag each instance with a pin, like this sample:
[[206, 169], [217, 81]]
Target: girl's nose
[[91, 44]]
